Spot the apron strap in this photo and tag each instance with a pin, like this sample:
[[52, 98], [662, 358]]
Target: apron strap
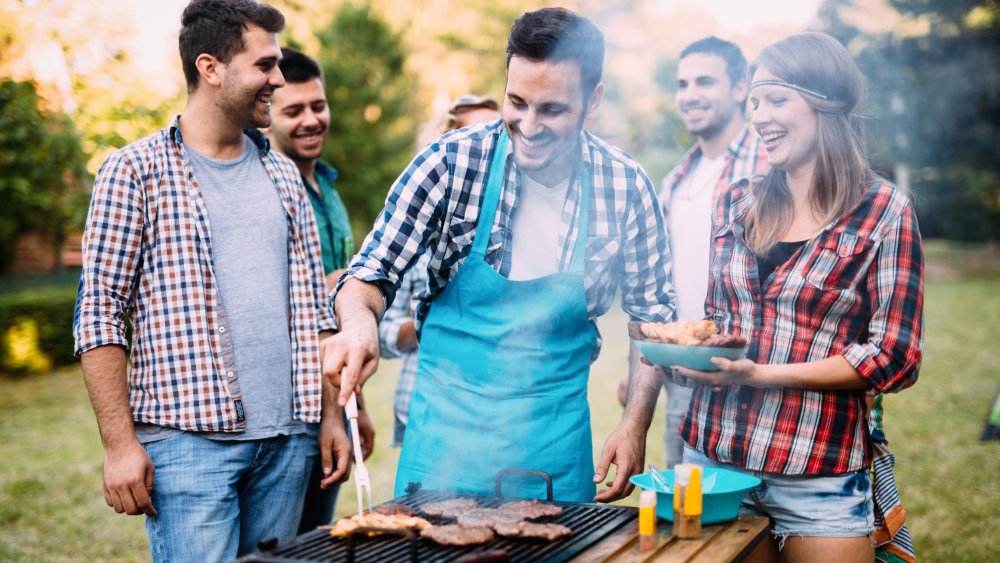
[[491, 198]]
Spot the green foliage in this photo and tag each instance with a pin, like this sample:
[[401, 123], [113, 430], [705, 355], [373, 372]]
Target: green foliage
[[36, 330], [371, 131], [937, 95], [40, 161]]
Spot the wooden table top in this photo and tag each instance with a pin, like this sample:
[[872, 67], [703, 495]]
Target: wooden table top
[[730, 541]]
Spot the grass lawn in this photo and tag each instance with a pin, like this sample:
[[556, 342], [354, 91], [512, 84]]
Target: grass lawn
[[52, 508]]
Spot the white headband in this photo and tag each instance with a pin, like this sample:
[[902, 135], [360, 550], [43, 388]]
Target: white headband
[[789, 85]]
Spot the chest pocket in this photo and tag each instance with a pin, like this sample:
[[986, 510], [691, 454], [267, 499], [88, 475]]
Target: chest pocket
[[840, 262]]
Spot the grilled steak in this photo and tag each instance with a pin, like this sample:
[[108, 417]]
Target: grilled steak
[[725, 341], [393, 509], [524, 529], [531, 509], [488, 517], [453, 534], [451, 508]]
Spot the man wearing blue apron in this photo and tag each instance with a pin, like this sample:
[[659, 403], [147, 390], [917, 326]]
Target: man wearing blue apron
[[532, 226]]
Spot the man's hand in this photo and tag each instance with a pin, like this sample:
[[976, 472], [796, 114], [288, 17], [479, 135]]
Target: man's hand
[[367, 434], [350, 357], [128, 479], [626, 448], [335, 453]]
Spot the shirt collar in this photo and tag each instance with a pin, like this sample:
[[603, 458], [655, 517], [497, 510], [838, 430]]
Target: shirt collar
[[258, 138]]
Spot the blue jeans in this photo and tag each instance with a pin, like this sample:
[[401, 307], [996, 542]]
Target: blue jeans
[[216, 499], [836, 506]]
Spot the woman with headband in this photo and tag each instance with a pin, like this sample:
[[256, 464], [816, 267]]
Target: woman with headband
[[818, 264]]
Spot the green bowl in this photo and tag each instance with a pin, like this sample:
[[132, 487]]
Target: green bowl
[[665, 354], [721, 504]]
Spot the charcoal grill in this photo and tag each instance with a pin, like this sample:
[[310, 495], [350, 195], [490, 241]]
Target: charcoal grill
[[590, 523]]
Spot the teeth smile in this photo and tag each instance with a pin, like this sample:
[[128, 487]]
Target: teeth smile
[[534, 144], [771, 137]]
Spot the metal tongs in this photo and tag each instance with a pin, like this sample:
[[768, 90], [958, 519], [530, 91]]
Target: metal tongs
[[658, 477], [361, 480]]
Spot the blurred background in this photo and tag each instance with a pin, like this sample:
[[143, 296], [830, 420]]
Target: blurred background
[[80, 79]]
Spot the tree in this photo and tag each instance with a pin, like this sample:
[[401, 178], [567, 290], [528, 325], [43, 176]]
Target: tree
[[371, 132], [40, 161], [936, 88]]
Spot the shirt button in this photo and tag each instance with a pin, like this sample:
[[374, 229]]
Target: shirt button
[[222, 329], [743, 406], [231, 374]]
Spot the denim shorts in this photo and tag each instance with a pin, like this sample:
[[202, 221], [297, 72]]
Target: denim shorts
[[834, 506]]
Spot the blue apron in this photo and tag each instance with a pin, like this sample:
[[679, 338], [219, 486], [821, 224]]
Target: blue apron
[[502, 375]]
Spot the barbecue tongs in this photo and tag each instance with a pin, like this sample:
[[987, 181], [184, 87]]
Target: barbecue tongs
[[361, 480]]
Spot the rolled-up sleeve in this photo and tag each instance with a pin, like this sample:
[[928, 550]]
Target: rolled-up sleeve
[[890, 359], [647, 291], [112, 247]]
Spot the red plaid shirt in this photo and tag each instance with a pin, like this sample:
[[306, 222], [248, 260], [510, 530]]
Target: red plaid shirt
[[854, 290], [147, 253]]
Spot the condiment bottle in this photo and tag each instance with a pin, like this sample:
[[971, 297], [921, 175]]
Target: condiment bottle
[[647, 520], [687, 501]]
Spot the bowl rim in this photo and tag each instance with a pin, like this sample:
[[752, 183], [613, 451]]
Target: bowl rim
[[645, 481]]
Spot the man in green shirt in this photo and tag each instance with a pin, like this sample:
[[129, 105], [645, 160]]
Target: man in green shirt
[[300, 120]]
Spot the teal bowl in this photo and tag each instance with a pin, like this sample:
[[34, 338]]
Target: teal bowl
[[665, 354], [721, 504]]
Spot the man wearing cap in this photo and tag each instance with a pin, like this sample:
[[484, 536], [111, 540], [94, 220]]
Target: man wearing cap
[[397, 331], [532, 226]]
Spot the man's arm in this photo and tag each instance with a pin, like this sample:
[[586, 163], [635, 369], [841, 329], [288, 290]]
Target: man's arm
[[334, 446], [128, 471], [626, 446], [350, 357]]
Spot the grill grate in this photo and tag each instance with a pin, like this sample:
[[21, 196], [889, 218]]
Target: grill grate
[[590, 524]]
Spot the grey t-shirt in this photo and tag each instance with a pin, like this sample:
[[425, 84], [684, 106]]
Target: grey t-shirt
[[249, 240]]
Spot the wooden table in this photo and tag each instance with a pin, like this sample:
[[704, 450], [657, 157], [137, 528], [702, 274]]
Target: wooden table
[[731, 541]]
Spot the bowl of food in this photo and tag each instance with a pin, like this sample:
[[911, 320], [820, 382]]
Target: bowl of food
[[722, 492], [691, 344]]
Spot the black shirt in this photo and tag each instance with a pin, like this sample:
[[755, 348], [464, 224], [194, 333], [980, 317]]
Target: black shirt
[[778, 255]]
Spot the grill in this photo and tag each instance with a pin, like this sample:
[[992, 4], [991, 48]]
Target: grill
[[590, 524]]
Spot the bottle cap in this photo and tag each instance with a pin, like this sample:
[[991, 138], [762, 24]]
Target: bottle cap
[[647, 498], [682, 474]]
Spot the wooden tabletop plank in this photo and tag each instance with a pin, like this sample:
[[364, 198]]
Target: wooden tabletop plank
[[722, 542]]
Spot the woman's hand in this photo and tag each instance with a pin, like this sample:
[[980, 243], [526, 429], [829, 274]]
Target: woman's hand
[[739, 372]]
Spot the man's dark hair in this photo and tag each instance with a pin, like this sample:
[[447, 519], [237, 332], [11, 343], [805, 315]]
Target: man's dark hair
[[736, 63], [216, 27], [558, 34], [298, 67]]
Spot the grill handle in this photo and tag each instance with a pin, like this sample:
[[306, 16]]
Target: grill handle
[[365, 530], [498, 491]]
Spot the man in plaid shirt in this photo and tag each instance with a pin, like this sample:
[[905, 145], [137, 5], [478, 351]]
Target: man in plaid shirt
[[527, 246], [203, 238], [711, 97]]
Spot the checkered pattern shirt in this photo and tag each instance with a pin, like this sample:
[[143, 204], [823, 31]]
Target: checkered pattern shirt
[[434, 206], [854, 290], [395, 316], [745, 158], [147, 255]]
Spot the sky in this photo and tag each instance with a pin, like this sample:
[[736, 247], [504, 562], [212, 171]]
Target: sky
[[743, 15]]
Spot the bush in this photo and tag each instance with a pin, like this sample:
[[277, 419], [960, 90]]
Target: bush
[[36, 330]]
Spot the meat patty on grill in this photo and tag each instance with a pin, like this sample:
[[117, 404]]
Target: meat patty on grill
[[531, 509], [451, 508], [488, 517], [524, 529], [393, 509], [453, 534]]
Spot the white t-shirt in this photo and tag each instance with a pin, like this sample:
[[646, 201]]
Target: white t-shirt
[[536, 251], [691, 235]]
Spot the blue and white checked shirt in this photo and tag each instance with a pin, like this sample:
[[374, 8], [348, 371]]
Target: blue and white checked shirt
[[147, 254], [434, 206]]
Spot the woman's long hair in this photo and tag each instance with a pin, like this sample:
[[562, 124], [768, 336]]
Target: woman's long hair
[[819, 63]]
